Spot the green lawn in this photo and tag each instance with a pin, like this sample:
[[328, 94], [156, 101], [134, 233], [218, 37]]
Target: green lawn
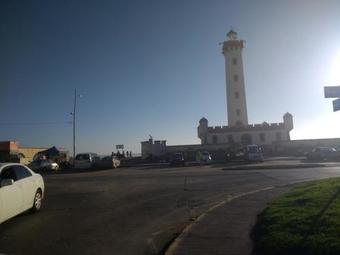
[[305, 220]]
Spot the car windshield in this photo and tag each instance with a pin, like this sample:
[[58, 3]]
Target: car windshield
[[83, 157]]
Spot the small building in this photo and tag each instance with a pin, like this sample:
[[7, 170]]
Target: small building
[[153, 149], [11, 151]]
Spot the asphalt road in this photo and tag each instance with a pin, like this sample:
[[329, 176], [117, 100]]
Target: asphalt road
[[131, 210]]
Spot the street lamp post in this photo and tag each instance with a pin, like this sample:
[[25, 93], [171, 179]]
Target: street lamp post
[[74, 121], [74, 124]]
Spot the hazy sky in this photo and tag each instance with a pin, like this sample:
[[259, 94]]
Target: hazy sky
[[155, 67]]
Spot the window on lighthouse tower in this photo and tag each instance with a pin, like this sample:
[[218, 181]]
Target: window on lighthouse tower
[[234, 61], [235, 77]]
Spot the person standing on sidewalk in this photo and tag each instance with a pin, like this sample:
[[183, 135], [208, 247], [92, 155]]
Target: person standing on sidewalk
[[199, 157]]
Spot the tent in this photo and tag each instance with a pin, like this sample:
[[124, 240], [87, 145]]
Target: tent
[[49, 153]]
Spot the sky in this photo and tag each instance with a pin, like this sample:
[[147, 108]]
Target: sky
[[155, 67]]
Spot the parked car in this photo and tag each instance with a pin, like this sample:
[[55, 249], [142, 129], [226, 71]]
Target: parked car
[[203, 157], [86, 160], [248, 153], [236, 155], [44, 165], [63, 164], [21, 189], [253, 153], [323, 153], [109, 162], [177, 159]]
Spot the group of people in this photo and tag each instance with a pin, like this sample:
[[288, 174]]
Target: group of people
[[123, 154]]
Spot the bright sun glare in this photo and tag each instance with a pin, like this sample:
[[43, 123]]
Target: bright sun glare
[[326, 125], [334, 75]]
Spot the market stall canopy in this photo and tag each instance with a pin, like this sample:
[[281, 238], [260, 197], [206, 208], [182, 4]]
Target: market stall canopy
[[51, 152]]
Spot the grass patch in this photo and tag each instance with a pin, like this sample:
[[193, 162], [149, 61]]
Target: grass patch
[[304, 221]]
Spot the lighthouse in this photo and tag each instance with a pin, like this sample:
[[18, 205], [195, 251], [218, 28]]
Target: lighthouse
[[235, 89]]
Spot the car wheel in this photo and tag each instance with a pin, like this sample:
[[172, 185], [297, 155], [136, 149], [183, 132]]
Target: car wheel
[[37, 201]]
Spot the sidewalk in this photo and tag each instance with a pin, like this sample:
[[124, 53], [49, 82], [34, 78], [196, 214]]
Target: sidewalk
[[281, 164], [226, 229]]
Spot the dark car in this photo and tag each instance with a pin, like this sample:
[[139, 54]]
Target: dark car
[[323, 154], [109, 162], [177, 159], [236, 155]]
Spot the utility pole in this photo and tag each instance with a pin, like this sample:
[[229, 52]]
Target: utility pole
[[74, 124]]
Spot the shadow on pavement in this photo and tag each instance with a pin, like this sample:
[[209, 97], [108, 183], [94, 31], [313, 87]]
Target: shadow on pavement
[[73, 171]]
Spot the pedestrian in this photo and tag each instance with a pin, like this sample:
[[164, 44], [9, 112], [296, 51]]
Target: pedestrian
[[199, 157]]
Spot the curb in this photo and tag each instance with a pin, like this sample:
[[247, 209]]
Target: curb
[[275, 167], [173, 246]]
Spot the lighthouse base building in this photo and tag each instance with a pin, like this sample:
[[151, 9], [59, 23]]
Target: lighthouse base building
[[218, 139], [261, 134]]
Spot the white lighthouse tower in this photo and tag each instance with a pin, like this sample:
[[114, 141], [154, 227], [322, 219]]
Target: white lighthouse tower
[[236, 95]]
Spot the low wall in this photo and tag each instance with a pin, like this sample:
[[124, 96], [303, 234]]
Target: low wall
[[217, 151], [282, 148], [300, 147]]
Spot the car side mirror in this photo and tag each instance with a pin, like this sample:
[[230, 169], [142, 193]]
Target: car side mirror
[[6, 182]]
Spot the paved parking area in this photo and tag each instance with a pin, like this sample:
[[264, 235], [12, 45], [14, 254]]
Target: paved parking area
[[130, 210]]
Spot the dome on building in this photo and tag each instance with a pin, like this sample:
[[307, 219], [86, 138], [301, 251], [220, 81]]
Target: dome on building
[[203, 120]]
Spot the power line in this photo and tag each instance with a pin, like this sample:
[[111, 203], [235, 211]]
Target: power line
[[34, 123]]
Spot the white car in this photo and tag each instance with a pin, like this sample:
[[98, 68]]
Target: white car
[[86, 160], [43, 165], [21, 189], [206, 158]]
